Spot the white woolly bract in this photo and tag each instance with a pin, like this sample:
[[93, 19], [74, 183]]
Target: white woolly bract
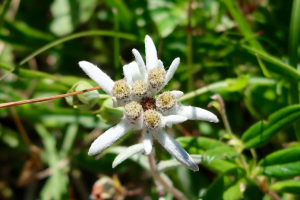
[[109, 137], [96, 74], [174, 148], [147, 141], [151, 54], [194, 113]]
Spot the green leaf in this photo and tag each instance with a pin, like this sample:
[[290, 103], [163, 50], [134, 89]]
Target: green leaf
[[275, 65], [227, 186], [261, 132], [75, 36], [69, 139], [221, 152], [220, 165], [201, 143], [282, 163], [172, 164], [57, 184], [237, 84], [288, 186]]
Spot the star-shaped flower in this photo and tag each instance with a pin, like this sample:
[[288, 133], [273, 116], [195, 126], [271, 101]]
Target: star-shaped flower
[[142, 111]]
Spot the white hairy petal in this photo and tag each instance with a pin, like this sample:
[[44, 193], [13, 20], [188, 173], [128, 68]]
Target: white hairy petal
[[175, 150], [160, 64], [173, 119], [132, 72], [171, 71], [109, 137], [140, 63], [147, 142], [151, 54], [97, 75], [178, 94], [195, 113]]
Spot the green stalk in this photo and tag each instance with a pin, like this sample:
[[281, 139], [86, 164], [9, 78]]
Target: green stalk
[[4, 10], [78, 35], [190, 62], [116, 42], [242, 23], [294, 35]]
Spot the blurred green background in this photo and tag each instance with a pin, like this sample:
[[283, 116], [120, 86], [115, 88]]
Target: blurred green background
[[41, 43]]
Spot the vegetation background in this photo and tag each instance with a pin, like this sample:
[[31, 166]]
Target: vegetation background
[[246, 50]]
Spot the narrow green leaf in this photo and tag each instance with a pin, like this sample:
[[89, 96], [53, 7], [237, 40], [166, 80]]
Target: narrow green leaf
[[75, 36], [5, 7], [227, 186], [166, 165], [57, 180], [276, 65], [200, 143], [220, 165], [282, 163], [261, 132], [288, 186], [263, 67], [242, 23], [221, 152], [294, 37], [226, 84], [69, 139]]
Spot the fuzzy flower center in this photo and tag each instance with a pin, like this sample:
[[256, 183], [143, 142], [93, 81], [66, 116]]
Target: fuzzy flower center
[[148, 103], [151, 119], [165, 100], [121, 90], [156, 77], [133, 110], [139, 88]]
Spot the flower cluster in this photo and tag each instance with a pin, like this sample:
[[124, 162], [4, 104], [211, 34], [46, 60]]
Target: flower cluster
[[142, 111]]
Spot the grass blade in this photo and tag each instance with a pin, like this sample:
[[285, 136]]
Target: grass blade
[[78, 35]]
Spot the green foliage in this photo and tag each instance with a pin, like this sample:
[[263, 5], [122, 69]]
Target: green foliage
[[246, 51], [282, 163], [262, 132]]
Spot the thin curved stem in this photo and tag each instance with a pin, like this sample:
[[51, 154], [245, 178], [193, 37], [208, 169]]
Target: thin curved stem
[[75, 36], [176, 193], [16, 103]]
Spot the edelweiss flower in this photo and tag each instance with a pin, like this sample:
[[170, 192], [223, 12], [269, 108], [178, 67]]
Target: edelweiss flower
[[143, 112]]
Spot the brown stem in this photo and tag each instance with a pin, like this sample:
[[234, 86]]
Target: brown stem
[[16, 103], [176, 193], [223, 112]]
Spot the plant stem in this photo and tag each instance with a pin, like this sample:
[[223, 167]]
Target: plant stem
[[189, 55], [176, 193], [116, 42], [78, 35], [16, 103], [4, 10], [223, 113], [293, 56]]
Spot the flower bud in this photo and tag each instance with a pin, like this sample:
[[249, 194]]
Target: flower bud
[[156, 78], [109, 114], [85, 100], [133, 111], [139, 89], [121, 91], [151, 119], [165, 101]]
